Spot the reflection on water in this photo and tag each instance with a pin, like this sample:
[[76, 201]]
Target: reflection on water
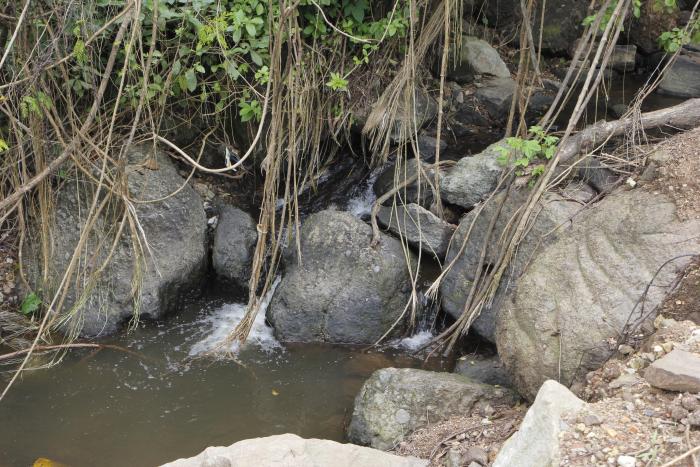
[[111, 408]]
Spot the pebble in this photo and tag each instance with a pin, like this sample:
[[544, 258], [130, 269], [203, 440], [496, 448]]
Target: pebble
[[625, 349], [678, 413], [592, 419], [694, 418], [690, 402], [626, 461]]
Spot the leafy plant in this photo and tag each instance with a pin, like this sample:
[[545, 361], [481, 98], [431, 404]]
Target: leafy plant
[[30, 304], [528, 155], [337, 82], [671, 41]]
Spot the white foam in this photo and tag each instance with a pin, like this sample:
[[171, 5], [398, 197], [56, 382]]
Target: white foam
[[413, 342], [361, 204], [225, 319]]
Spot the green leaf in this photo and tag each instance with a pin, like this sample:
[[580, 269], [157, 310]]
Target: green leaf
[[30, 304], [3, 145], [191, 80], [250, 29]]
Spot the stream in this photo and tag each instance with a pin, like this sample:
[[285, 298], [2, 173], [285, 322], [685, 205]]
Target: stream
[[169, 399]]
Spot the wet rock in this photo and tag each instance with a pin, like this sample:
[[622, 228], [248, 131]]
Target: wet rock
[[477, 57], [292, 451], [676, 371], [602, 265], [394, 402], [562, 21], [623, 58], [234, 245], [552, 220], [681, 79], [174, 263], [472, 179], [341, 290], [421, 228], [495, 96], [390, 178], [487, 370], [536, 443]]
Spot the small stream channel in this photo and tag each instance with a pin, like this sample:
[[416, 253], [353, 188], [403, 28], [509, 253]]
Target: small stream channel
[[169, 400]]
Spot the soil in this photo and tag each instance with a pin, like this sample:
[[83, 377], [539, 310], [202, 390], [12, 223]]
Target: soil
[[680, 176], [457, 437]]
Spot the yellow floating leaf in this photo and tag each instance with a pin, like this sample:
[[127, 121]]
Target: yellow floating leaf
[[44, 462], [275, 393]]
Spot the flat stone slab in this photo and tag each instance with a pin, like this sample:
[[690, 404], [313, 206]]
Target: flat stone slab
[[676, 371], [290, 450]]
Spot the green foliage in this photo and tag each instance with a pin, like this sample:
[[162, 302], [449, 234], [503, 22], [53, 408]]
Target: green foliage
[[671, 41], [32, 105], [337, 82], [30, 304], [659, 5], [3, 146], [214, 50], [525, 154]]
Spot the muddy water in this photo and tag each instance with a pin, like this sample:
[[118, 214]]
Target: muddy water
[[164, 401]]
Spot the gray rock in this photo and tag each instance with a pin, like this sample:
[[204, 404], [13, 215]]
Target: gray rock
[[597, 175], [175, 255], [561, 27], [421, 228], [234, 245], [475, 454], [410, 194], [552, 219], [495, 96], [290, 450], [426, 146], [681, 79], [676, 371], [487, 370], [623, 58], [477, 57], [342, 290], [580, 291], [536, 443], [394, 402], [472, 179]]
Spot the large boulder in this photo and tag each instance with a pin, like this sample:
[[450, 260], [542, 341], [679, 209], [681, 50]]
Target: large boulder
[[421, 228], [561, 27], [477, 57], [552, 219], [536, 443], [234, 245], [394, 402], [682, 79], [472, 179], [341, 290], [172, 237], [292, 451], [580, 292]]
